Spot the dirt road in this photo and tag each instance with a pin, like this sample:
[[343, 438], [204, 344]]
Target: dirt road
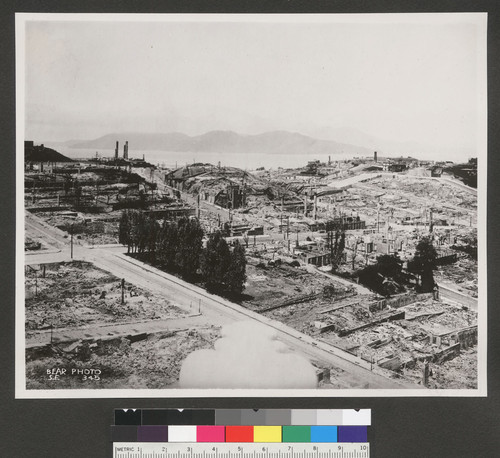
[[456, 296]]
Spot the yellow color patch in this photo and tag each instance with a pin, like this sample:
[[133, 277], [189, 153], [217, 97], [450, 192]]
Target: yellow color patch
[[267, 433]]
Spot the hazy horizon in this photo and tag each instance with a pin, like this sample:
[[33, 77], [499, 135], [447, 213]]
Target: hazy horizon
[[413, 80]]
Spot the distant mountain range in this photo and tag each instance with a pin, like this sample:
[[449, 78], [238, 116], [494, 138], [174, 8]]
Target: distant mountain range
[[275, 142]]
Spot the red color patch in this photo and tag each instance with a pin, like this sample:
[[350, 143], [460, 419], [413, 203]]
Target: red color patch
[[239, 433]]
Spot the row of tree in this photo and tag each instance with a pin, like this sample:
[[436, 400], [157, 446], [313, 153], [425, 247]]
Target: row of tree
[[177, 246]]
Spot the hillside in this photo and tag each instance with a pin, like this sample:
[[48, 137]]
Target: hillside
[[44, 154], [275, 142]]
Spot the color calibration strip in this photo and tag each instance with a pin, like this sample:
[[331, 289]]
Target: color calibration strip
[[241, 426]]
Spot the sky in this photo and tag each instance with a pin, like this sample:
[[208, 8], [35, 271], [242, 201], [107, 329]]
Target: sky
[[416, 80]]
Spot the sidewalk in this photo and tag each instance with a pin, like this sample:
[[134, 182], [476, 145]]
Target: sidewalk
[[114, 330]]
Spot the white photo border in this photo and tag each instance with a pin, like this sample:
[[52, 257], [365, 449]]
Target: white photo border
[[478, 19]]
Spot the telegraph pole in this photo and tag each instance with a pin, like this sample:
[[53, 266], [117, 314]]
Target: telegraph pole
[[378, 215], [72, 230]]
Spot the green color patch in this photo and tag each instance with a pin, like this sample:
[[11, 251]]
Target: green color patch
[[296, 434]]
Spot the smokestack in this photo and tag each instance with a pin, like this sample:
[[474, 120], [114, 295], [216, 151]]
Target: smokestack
[[116, 150], [375, 156], [125, 150]]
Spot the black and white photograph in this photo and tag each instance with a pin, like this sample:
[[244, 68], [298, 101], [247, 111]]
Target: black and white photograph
[[231, 205]]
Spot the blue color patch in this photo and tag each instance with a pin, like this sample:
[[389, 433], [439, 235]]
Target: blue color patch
[[323, 434]]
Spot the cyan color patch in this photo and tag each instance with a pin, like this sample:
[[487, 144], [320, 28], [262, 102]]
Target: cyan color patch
[[324, 434]]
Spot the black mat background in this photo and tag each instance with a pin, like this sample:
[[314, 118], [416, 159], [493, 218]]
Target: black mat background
[[402, 427]]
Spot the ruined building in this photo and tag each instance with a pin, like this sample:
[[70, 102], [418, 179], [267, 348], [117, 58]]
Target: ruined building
[[227, 187]]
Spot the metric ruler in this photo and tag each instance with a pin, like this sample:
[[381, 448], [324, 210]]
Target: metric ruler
[[240, 450]]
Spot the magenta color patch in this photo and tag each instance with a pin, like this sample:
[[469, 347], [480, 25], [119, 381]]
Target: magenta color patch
[[210, 434]]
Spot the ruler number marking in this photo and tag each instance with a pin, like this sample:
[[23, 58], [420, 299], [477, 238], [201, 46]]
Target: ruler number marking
[[244, 450]]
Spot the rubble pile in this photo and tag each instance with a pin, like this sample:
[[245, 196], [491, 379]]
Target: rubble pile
[[270, 283], [152, 363], [93, 229], [403, 344], [77, 293], [462, 276]]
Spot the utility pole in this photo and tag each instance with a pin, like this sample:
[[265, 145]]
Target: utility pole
[[425, 375], [378, 215], [71, 243], [123, 290]]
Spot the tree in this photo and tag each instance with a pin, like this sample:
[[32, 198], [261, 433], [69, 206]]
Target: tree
[[423, 263], [67, 184], [215, 262], [236, 275], [384, 276], [124, 230], [336, 241], [354, 252], [142, 199], [189, 247], [78, 194], [372, 278], [167, 244], [389, 265], [151, 237], [138, 231]]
